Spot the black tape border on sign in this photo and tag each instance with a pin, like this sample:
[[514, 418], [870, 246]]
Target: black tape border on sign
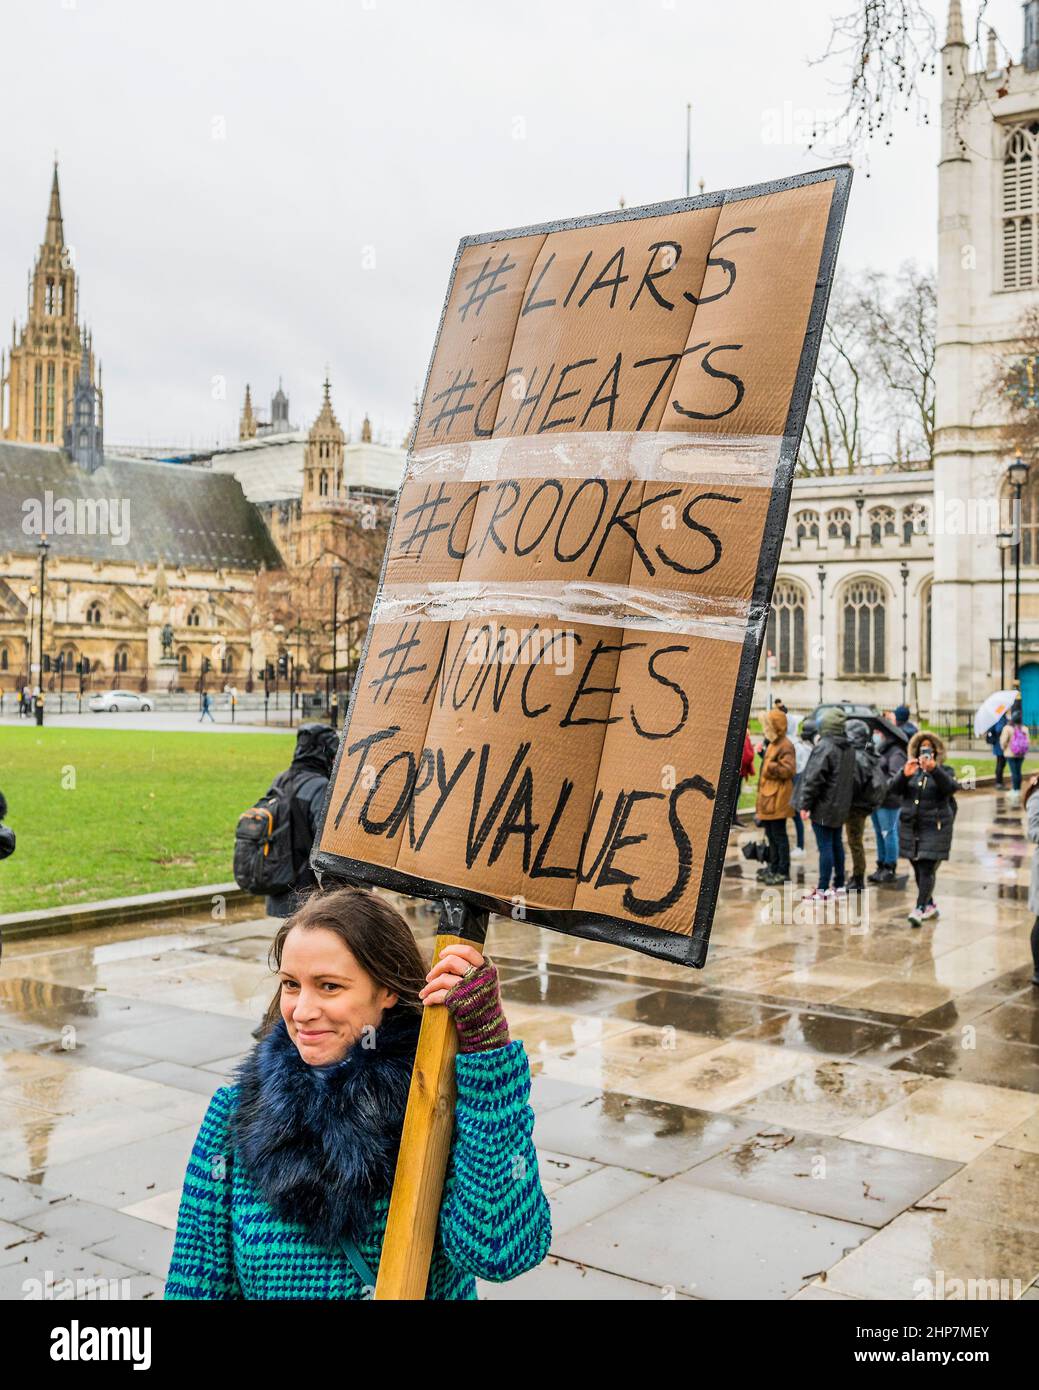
[[652, 941]]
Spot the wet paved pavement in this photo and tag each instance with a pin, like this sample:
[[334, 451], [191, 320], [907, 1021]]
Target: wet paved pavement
[[830, 1110]]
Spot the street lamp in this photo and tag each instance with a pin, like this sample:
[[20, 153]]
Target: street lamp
[[860, 502], [822, 643], [1004, 539], [904, 572], [1018, 476], [43, 547], [333, 704]]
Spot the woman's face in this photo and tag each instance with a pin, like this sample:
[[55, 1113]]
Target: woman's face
[[926, 753], [327, 999]]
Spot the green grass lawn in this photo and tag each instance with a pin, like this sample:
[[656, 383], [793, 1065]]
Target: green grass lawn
[[104, 813]]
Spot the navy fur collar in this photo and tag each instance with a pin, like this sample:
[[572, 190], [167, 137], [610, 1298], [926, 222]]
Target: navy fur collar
[[320, 1142]]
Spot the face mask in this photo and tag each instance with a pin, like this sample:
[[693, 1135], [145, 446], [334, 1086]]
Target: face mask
[[878, 740]]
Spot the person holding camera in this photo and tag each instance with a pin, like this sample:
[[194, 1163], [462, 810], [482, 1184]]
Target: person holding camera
[[928, 812]]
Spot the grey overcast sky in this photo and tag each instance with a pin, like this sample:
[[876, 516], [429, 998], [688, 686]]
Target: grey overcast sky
[[262, 189]]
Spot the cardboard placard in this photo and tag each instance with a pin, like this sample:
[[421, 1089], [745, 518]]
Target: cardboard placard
[[549, 714]]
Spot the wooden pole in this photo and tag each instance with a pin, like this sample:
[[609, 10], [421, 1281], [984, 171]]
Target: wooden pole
[[418, 1183]]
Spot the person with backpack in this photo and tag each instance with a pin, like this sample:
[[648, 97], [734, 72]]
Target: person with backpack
[[870, 789], [928, 814], [1013, 742], [775, 794], [825, 798], [892, 754], [992, 737], [803, 741], [274, 838]]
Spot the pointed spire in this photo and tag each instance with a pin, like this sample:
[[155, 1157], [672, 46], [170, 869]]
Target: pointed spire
[[954, 26], [991, 60], [55, 234], [366, 430]]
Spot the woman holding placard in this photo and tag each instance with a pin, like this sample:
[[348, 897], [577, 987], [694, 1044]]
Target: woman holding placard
[[287, 1190]]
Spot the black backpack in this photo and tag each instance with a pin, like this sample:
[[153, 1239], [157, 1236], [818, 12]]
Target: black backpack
[[265, 854]]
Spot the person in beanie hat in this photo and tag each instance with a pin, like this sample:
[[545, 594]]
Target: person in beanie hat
[[903, 721], [775, 794], [825, 798]]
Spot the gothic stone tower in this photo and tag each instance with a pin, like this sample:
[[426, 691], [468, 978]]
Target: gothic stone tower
[[322, 483], [38, 377], [84, 432], [988, 277]]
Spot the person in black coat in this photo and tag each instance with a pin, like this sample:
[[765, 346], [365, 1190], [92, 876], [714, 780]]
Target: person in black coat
[[824, 797], [928, 812], [308, 780], [885, 818]]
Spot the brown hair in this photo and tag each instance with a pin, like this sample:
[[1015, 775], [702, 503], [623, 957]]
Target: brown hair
[[377, 937]]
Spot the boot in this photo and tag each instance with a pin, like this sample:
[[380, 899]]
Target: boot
[[855, 884], [888, 874], [877, 876]]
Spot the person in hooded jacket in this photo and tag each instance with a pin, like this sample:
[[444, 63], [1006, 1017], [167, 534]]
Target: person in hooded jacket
[[863, 800], [928, 813], [307, 777], [892, 754], [825, 798], [776, 793], [903, 721]]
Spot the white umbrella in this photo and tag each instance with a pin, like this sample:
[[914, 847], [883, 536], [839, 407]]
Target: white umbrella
[[990, 711]]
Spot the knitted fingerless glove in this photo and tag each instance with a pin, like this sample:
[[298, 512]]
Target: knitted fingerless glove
[[475, 1003]]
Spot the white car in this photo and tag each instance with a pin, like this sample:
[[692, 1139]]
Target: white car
[[113, 701]]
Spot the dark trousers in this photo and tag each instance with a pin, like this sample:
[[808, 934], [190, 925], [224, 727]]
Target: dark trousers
[[855, 825], [925, 872], [1001, 764], [778, 847], [1014, 764], [831, 855]]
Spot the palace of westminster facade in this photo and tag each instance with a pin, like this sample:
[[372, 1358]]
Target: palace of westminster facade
[[196, 536]]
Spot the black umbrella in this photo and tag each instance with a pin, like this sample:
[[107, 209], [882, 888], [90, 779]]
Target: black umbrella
[[877, 721]]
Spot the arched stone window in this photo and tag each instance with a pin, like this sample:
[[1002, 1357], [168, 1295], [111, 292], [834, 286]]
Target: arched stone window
[[1020, 206], [1028, 521], [925, 630], [786, 629], [122, 658], [194, 618], [68, 657], [863, 628], [5, 659], [881, 523], [806, 525], [914, 521], [227, 662], [322, 484], [838, 525], [94, 613], [182, 660]]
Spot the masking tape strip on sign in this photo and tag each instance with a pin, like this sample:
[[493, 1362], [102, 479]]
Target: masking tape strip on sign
[[578, 602], [660, 456]]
